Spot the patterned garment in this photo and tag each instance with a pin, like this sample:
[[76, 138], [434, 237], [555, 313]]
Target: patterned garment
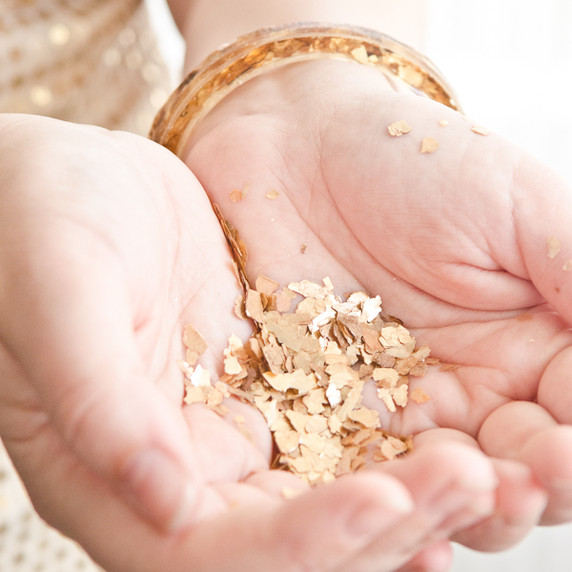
[[86, 61]]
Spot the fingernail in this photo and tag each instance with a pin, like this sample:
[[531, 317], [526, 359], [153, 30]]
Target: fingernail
[[367, 521], [159, 490]]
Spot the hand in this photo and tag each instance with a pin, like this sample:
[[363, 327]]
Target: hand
[[108, 246], [456, 243]]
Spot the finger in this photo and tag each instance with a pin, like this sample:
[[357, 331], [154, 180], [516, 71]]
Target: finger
[[441, 435], [520, 501], [75, 342], [554, 389], [436, 558], [526, 432], [453, 487], [224, 449], [545, 241], [314, 531]]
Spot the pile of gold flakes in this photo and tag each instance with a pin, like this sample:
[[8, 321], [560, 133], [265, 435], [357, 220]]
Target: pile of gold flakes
[[306, 369]]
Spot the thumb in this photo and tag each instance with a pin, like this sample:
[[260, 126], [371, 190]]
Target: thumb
[[72, 331], [542, 206]]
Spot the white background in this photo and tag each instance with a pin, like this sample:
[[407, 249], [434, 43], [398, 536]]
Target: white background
[[510, 62]]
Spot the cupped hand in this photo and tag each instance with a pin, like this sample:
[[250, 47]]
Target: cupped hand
[[468, 244], [108, 246]]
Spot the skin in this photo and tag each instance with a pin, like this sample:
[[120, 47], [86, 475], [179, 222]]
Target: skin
[[455, 242], [109, 246], [101, 243], [205, 25]]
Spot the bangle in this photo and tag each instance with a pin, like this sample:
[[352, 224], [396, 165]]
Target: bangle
[[269, 48]]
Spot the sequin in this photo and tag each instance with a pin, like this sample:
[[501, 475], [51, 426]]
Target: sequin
[[59, 34], [41, 95], [127, 37]]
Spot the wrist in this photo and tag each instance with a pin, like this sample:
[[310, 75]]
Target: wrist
[[206, 25], [290, 95], [266, 50]]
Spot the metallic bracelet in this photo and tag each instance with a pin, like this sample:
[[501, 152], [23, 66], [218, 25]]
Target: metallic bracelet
[[269, 48]]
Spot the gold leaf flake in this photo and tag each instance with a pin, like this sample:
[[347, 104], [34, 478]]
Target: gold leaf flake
[[253, 307], [360, 54], [418, 395], [429, 145], [232, 365], [286, 441], [315, 442], [366, 417], [316, 424], [200, 377], [195, 395], [397, 341], [305, 372], [385, 395], [315, 400], [334, 423], [443, 122], [479, 130], [237, 247], [391, 447], [309, 289], [193, 340], [327, 282], [553, 245], [370, 309], [272, 194], [449, 366], [398, 128], [266, 285], [333, 395], [386, 376], [239, 307], [236, 196], [298, 380], [400, 395]]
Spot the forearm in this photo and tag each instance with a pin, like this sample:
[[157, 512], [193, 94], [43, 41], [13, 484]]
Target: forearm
[[206, 24]]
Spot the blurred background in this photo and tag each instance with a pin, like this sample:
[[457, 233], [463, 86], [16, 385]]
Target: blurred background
[[510, 62]]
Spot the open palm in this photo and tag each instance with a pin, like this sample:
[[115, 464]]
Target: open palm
[[456, 244], [468, 245], [109, 247]]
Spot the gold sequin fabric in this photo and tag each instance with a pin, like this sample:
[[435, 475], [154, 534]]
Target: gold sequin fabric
[[86, 61], [27, 543]]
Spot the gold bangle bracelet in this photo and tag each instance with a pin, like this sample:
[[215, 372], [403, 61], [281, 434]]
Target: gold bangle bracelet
[[269, 48]]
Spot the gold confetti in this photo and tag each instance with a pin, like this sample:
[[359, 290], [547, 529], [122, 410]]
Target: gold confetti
[[360, 54], [418, 395], [236, 196], [479, 130], [553, 246], [305, 371], [194, 343], [429, 145], [272, 194], [398, 128]]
